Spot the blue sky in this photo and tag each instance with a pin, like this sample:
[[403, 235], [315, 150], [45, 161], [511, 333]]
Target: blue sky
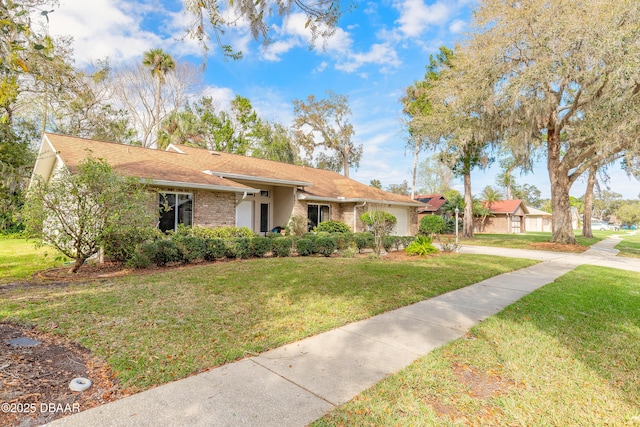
[[378, 50]]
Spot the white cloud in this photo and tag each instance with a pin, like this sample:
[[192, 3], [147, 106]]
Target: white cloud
[[104, 28], [457, 26], [222, 96], [381, 54], [416, 16], [293, 34], [320, 68], [273, 51]]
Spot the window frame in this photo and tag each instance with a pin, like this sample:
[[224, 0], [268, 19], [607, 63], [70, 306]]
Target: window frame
[[319, 207], [176, 208]]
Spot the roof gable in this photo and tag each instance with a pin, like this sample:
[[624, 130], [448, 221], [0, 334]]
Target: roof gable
[[433, 202], [155, 166], [506, 206], [183, 166]]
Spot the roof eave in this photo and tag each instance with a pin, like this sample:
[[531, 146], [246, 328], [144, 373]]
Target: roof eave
[[260, 179], [191, 185], [357, 200]]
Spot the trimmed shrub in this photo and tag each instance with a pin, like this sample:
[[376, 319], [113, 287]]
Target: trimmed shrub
[[398, 241], [388, 242], [191, 248], [332, 226], [421, 246], [363, 240], [260, 246], [238, 247], [304, 247], [167, 253], [325, 245], [214, 249], [281, 247], [343, 240], [222, 232], [143, 255], [431, 224], [121, 244]]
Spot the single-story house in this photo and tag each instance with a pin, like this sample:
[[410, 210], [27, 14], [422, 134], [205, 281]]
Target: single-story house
[[537, 220], [433, 204], [213, 189], [508, 216]]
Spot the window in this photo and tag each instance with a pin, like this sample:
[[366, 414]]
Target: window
[[264, 217], [174, 209], [316, 214]]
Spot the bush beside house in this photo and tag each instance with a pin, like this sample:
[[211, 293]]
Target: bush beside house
[[190, 245]]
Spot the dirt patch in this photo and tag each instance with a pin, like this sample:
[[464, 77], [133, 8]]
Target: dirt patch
[[35, 379], [481, 385], [556, 247]]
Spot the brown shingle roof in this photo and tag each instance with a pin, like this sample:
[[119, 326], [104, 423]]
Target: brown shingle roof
[[325, 184], [201, 167], [138, 162]]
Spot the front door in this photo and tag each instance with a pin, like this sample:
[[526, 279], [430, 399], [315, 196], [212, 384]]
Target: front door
[[244, 214]]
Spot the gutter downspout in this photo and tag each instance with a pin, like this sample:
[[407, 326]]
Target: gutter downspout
[[355, 221], [244, 196]]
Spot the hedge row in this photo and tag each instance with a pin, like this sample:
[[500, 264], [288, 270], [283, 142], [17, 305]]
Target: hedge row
[[143, 248], [189, 249]]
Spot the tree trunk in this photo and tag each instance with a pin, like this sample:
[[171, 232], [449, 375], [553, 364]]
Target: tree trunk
[[467, 224], [344, 152], [562, 229], [588, 203], [77, 264], [415, 169], [158, 100]]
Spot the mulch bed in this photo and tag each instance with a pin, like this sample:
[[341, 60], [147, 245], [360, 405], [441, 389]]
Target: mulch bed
[[556, 247], [34, 380]]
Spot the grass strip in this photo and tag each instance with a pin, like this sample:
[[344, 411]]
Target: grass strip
[[629, 246], [565, 355], [531, 240]]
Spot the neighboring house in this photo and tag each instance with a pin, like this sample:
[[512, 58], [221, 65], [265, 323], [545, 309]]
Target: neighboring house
[[537, 220], [212, 189], [576, 218], [433, 204], [508, 217]]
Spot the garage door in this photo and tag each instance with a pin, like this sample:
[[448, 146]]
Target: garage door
[[402, 216]]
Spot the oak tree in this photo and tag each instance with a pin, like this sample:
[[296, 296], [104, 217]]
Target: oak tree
[[324, 123], [564, 78]]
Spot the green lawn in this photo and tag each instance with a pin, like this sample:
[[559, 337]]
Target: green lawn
[[566, 355], [19, 259], [529, 240], [630, 246], [159, 327]]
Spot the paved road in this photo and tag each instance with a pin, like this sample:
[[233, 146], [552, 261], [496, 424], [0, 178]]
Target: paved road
[[300, 382]]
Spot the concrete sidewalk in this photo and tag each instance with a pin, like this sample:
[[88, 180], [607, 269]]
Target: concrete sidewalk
[[298, 383]]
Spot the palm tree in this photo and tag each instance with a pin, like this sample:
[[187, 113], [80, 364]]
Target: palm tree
[[489, 196], [159, 63]]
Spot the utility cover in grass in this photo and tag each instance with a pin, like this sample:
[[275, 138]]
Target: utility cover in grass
[[23, 342]]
